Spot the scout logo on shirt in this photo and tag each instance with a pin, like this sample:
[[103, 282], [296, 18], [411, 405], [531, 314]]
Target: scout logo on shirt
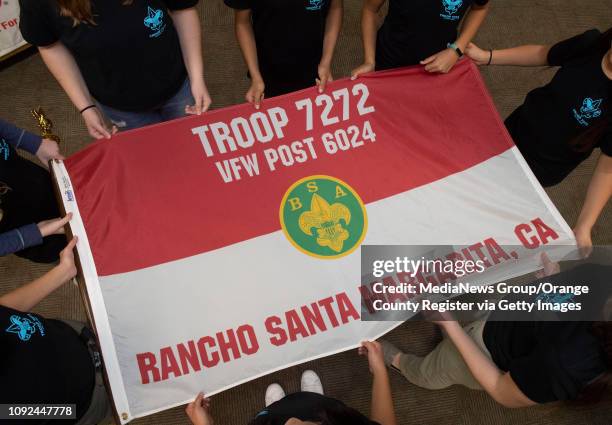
[[588, 110], [155, 21], [451, 9], [24, 327], [323, 217], [315, 5], [4, 149]]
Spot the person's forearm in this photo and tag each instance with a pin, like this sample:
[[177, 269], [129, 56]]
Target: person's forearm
[[64, 68], [471, 25], [383, 411], [20, 238], [529, 55], [246, 40], [369, 26], [333, 25], [598, 193], [19, 138], [28, 296], [188, 27]]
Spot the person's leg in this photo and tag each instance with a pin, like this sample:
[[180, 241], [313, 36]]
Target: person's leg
[[444, 366], [174, 107], [99, 411], [31, 199], [127, 120]]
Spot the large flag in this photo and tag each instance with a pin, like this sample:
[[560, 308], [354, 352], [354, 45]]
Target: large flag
[[222, 247], [10, 36]]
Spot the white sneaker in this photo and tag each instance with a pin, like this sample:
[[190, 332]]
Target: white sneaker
[[311, 382], [274, 392]]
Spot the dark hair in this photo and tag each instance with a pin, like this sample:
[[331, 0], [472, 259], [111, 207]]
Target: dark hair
[[80, 10], [586, 141], [595, 390], [338, 415]]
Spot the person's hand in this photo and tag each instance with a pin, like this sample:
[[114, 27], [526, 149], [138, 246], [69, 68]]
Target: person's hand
[[584, 241], [478, 55], [376, 359], [96, 126], [442, 62], [325, 76], [364, 68], [54, 226], [549, 268], [66, 263], [48, 150], [201, 96], [255, 94], [199, 411]]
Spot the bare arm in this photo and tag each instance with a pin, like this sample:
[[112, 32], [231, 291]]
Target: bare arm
[[26, 297], [369, 26], [188, 28], [499, 385], [471, 24], [246, 39], [333, 25], [528, 55], [382, 410], [64, 68], [598, 195]]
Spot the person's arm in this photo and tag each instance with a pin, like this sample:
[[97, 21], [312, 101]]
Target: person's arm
[[333, 24], [31, 234], [187, 23], [18, 138], [243, 28], [26, 297], [369, 26], [499, 385], [598, 195], [444, 61], [528, 55], [64, 68], [382, 410]]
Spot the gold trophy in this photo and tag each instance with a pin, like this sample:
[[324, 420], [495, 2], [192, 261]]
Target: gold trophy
[[45, 124]]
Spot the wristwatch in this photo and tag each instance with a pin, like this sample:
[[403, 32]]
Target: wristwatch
[[455, 48]]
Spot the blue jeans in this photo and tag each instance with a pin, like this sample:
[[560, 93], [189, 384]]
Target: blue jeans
[[171, 109]]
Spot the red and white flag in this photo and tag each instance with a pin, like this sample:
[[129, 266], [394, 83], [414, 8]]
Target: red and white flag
[[222, 247]]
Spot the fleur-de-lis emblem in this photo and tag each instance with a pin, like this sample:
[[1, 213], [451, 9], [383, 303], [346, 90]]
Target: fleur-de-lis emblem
[[590, 108], [325, 218]]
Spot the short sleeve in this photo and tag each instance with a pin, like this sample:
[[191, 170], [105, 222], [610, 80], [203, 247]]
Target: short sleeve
[[180, 4], [606, 142], [239, 4], [35, 22], [566, 50]]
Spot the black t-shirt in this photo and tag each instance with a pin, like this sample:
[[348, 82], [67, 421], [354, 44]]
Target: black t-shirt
[[130, 59], [548, 361], [43, 361], [416, 29], [305, 406], [552, 117], [289, 36]]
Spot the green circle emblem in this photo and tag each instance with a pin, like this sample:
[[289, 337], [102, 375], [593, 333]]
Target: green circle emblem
[[323, 217]]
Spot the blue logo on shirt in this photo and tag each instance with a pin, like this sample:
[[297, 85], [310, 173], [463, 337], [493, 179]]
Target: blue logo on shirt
[[4, 149], [315, 5], [589, 110], [24, 327], [155, 21], [451, 9]]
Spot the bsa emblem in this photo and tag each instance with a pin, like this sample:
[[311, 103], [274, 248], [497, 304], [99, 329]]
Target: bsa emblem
[[323, 217]]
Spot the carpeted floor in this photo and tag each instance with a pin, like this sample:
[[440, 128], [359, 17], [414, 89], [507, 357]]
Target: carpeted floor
[[25, 83]]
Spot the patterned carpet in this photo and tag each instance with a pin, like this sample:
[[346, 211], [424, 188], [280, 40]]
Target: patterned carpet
[[25, 83]]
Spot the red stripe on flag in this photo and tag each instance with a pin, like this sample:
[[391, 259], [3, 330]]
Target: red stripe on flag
[[152, 195]]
